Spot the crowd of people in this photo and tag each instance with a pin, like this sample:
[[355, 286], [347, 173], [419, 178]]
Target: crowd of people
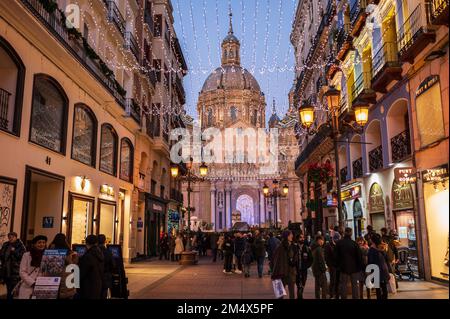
[[20, 268], [290, 256]]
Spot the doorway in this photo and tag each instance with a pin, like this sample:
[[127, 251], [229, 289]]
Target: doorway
[[43, 204], [81, 218], [107, 220]]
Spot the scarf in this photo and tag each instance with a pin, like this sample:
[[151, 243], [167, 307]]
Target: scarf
[[36, 257]]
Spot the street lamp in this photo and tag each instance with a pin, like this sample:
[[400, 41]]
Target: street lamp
[[361, 110], [190, 178], [274, 195]]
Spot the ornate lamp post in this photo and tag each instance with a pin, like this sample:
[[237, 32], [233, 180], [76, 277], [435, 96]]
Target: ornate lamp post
[[190, 178], [274, 194], [306, 115]]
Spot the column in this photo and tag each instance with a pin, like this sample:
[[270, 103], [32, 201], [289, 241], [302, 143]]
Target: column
[[213, 206], [228, 212], [262, 206]]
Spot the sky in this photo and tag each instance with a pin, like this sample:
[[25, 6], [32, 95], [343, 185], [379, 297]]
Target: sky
[[262, 26]]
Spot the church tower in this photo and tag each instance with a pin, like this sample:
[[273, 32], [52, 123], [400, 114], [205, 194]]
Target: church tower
[[231, 47]]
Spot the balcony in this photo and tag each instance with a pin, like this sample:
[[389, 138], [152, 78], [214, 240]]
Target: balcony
[[4, 108], [141, 182], [149, 71], [362, 89], [414, 35], [54, 22], [149, 126], [344, 42], [358, 16], [133, 110], [376, 158], [357, 167], [115, 16], [343, 175], [180, 89], [176, 195], [386, 67], [131, 44], [343, 105], [438, 12], [331, 67], [401, 147], [148, 19]]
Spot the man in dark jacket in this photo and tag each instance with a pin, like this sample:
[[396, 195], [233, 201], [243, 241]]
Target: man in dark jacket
[[108, 266], [164, 247], [239, 247], [370, 232], [330, 259], [304, 263], [350, 264], [228, 250], [10, 256], [319, 268], [91, 270], [213, 244], [272, 245], [285, 263], [259, 252]]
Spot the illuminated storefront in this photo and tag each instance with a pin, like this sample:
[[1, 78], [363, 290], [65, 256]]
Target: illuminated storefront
[[351, 197], [376, 207]]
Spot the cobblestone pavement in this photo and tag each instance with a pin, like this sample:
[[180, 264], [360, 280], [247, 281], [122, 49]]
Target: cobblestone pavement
[[168, 280]]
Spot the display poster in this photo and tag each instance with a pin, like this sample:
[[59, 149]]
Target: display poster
[[7, 199], [403, 232], [402, 195], [376, 202], [52, 269]]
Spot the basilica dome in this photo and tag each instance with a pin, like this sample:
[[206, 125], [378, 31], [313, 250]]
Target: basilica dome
[[230, 77]]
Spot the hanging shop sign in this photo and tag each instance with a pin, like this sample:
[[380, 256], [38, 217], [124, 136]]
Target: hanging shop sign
[[435, 175], [402, 195], [427, 84], [351, 193], [405, 175], [376, 202]]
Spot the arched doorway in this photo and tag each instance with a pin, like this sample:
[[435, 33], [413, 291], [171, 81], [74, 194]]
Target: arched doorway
[[245, 206], [376, 207], [357, 218]]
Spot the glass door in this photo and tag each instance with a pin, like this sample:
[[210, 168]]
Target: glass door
[[81, 218], [107, 220]]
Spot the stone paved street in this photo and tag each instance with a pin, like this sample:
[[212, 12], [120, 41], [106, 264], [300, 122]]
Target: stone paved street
[[167, 280]]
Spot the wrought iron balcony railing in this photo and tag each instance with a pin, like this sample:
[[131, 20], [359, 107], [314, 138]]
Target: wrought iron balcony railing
[[148, 19], [55, 24], [363, 82], [131, 44], [414, 35], [386, 56], [358, 7], [133, 109], [344, 173], [376, 158], [357, 167], [4, 107], [439, 11], [401, 146], [115, 16]]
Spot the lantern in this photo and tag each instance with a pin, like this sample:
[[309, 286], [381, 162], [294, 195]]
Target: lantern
[[285, 189], [203, 170], [174, 170], [333, 98], [306, 113], [265, 190], [361, 113]]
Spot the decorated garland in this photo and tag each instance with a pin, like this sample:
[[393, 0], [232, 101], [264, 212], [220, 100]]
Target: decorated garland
[[320, 173]]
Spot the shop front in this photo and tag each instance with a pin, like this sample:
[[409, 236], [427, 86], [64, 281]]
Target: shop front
[[155, 223], [351, 203], [436, 200], [404, 214], [377, 207]]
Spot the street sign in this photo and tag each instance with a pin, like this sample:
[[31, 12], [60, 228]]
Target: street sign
[[405, 175], [435, 175]]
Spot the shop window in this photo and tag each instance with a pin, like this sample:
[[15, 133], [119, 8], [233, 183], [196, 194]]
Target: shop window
[[108, 150], [126, 160], [84, 140], [430, 120], [107, 220], [49, 114], [81, 223], [12, 76]]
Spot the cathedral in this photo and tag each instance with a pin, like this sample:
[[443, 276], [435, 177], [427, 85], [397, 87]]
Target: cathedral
[[233, 191]]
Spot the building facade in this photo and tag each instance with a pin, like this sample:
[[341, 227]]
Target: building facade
[[77, 89], [386, 54]]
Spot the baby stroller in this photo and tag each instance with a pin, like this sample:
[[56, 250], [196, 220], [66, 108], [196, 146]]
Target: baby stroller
[[404, 265]]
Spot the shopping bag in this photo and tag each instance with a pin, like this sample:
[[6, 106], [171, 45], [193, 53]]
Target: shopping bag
[[278, 288], [392, 287]]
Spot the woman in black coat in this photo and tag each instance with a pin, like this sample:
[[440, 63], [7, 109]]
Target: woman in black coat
[[10, 256], [91, 270]]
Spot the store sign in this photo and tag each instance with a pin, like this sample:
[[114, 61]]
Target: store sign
[[376, 202], [331, 200], [435, 175], [405, 175], [402, 196], [351, 193], [427, 84]]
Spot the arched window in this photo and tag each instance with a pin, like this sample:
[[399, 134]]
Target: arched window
[[126, 160], [210, 117], [49, 114], [233, 113], [254, 117], [12, 78], [84, 140], [108, 150]]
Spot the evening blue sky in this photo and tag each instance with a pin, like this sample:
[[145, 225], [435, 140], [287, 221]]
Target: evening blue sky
[[263, 28]]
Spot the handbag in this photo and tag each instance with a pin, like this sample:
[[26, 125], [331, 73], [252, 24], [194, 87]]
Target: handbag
[[16, 289], [278, 288], [392, 287]]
